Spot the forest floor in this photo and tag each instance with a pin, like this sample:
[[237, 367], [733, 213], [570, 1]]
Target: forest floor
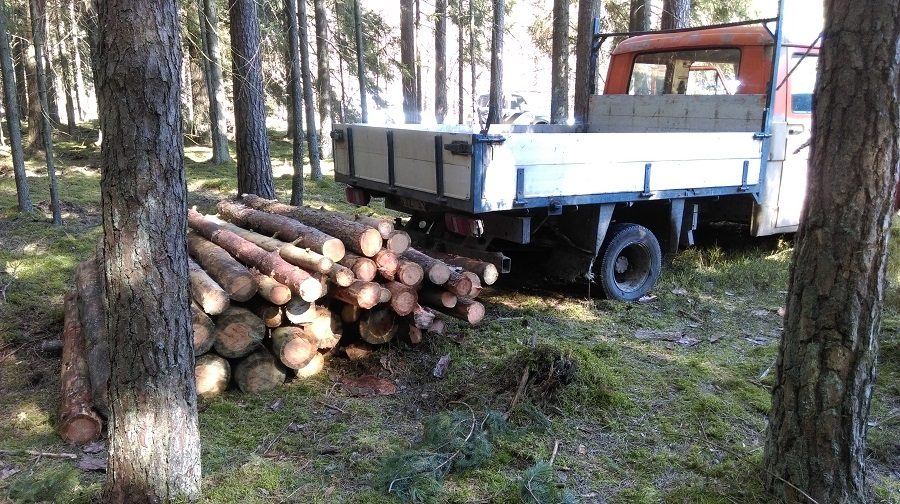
[[663, 401]]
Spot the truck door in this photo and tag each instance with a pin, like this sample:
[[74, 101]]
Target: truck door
[[798, 113]]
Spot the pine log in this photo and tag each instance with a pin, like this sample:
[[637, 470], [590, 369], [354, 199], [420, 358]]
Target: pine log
[[362, 294], [436, 271], [231, 275], [357, 237], [92, 317], [422, 317], [384, 295], [271, 315], [52, 347], [258, 372], [325, 327], [384, 226], [403, 298], [398, 242], [298, 311], [466, 309], [378, 326], [363, 268], [294, 346], [387, 264], [350, 313], [204, 330], [272, 290], [298, 280], [284, 228], [475, 291], [78, 422], [341, 276], [316, 364], [458, 283], [430, 295], [304, 258], [359, 351], [486, 271], [238, 332], [211, 297], [212, 374], [408, 272]]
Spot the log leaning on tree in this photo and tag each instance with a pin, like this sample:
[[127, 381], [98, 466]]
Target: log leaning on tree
[[205, 291], [378, 326], [231, 275], [272, 290], [92, 318], [357, 237], [363, 294], [238, 332], [284, 228], [78, 422], [403, 298], [486, 271], [212, 374], [466, 309], [204, 330], [435, 270], [293, 346], [363, 268], [298, 280], [303, 258], [258, 372]]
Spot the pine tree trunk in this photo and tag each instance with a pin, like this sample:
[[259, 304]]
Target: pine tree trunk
[[639, 15], [38, 8], [495, 105], [62, 55], [559, 72], [50, 72], [827, 360], [13, 123], [254, 167], [78, 75], [360, 66], [312, 137], [440, 61], [34, 140], [144, 201], [323, 78], [218, 122], [197, 69], [408, 61], [587, 10], [19, 48], [296, 114], [675, 14], [460, 62]]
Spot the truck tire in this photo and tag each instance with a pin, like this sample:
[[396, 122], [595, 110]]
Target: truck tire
[[629, 263]]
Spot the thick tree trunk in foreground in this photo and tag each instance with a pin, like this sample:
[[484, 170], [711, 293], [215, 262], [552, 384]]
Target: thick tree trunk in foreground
[[559, 69], [495, 105], [218, 121], [154, 444], [675, 14], [254, 167], [11, 106], [587, 10], [827, 360]]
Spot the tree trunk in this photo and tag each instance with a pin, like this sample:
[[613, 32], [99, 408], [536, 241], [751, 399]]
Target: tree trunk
[[205, 291], [323, 78], [23, 74], [296, 108], [495, 105], [231, 275], [587, 10], [50, 71], [312, 137], [13, 123], [639, 15], [559, 72], [238, 332], [34, 140], [218, 122], [460, 63], [259, 372], [62, 55], [144, 201], [826, 367], [197, 66], [360, 67], [254, 167], [440, 60], [78, 422], [675, 14], [408, 61], [213, 373], [78, 75], [38, 32]]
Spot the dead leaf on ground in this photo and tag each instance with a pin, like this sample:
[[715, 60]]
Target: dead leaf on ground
[[680, 291], [440, 369], [758, 340], [95, 447], [92, 463], [647, 299], [368, 385], [7, 471], [687, 341], [651, 335]]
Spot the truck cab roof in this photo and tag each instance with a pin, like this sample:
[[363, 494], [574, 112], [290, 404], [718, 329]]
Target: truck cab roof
[[735, 36]]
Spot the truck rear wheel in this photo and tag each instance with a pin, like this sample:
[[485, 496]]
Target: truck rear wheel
[[629, 263]]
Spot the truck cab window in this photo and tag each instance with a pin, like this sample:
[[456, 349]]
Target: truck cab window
[[694, 72], [803, 82]]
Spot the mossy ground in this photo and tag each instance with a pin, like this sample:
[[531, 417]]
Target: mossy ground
[[636, 421]]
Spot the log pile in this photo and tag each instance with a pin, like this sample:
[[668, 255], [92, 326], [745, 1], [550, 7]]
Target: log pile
[[276, 288]]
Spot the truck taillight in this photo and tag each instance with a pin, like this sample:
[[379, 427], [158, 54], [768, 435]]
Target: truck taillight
[[463, 225], [357, 196]]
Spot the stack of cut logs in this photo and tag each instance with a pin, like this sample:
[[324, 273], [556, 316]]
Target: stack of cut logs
[[275, 288]]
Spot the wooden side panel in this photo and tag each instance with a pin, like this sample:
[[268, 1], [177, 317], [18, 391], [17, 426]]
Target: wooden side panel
[[641, 114]]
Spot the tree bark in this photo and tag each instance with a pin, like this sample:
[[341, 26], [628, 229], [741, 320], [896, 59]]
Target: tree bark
[[486, 271], [301, 257], [34, 140], [218, 121], [675, 14], [495, 105], [296, 108], [231, 275], [312, 137], [62, 55], [38, 8], [587, 10], [408, 62], [154, 445], [324, 90], [360, 66], [460, 63], [78, 422], [440, 61], [254, 167], [213, 373], [826, 366], [13, 122], [639, 15], [77, 74], [559, 68], [23, 73], [92, 317]]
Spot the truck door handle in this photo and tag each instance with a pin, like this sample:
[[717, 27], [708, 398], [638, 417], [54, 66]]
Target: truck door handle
[[796, 129]]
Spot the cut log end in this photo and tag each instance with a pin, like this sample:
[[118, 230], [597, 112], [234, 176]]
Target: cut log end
[[314, 367], [370, 242], [293, 346], [212, 374], [398, 242], [258, 372], [409, 273], [334, 249], [311, 289], [80, 428], [378, 326]]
